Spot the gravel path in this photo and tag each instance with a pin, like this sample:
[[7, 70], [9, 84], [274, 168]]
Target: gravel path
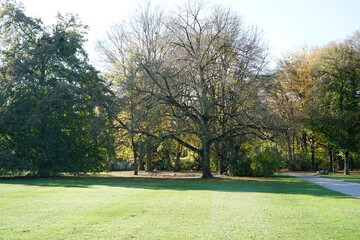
[[348, 188]]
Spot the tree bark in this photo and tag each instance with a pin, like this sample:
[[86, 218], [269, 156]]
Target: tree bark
[[291, 159], [222, 168], [312, 155], [338, 162], [141, 164], [331, 161], [346, 164], [141, 159], [167, 162], [304, 142], [177, 158], [220, 155], [148, 157], [206, 160], [293, 147], [135, 155]]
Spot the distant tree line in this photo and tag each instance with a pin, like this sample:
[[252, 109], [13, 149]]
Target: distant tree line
[[186, 90], [318, 100]]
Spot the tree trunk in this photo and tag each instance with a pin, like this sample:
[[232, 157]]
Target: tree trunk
[[220, 156], [291, 159], [132, 138], [206, 160], [304, 142], [293, 147], [346, 164], [141, 164], [222, 168], [177, 158], [338, 162], [135, 160], [167, 162], [141, 159], [148, 157], [312, 155], [331, 161]]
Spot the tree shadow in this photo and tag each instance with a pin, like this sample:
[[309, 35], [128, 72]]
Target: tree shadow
[[276, 185]]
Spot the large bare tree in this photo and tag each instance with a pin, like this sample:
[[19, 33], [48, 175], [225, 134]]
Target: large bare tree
[[194, 68]]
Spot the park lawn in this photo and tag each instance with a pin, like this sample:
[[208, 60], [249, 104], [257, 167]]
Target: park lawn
[[349, 178], [148, 208]]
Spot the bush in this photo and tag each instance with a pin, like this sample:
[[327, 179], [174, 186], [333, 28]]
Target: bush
[[302, 160], [239, 165], [10, 163], [265, 162], [188, 163], [214, 164], [261, 162]]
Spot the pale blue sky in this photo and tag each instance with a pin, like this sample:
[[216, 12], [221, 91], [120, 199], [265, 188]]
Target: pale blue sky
[[287, 24]]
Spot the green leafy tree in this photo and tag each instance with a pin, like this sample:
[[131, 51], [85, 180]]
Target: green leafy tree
[[335, 106], [52, 101]]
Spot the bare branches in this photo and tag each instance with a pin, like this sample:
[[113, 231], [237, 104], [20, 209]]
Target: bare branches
[[178, 65]]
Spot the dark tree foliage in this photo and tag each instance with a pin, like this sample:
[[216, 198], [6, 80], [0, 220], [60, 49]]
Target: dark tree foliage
[[52, 102]]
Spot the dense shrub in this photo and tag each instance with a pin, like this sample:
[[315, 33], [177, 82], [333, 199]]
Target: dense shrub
[[261, 162], [265, 162], [239, 165], [214, 164], [302, 161], [188, 163]]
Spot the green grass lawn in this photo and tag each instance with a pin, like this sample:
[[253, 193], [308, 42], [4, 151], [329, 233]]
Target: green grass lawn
[[149, 208], [349, 178]]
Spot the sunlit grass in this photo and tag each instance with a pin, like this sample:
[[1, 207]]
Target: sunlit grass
[[149, 208]]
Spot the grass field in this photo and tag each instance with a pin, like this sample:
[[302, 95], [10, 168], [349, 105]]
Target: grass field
[[150, 208]]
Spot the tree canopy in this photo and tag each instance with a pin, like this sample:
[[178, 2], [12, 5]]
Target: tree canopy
[[192, 69], [185, 90], [52, 101]]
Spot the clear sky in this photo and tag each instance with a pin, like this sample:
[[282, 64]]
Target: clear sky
[[286, 24]]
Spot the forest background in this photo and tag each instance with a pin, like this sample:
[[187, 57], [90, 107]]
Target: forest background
[[189, 89]]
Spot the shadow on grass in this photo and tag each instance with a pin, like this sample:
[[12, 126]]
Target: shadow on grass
[[275, 185]]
